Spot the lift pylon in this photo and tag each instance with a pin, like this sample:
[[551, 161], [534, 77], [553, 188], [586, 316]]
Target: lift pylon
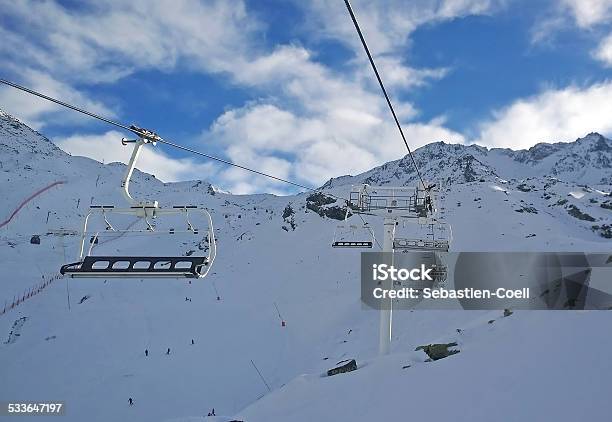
[[408, 206]]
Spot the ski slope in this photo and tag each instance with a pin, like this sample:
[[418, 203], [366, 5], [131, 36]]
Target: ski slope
[[83, 341]]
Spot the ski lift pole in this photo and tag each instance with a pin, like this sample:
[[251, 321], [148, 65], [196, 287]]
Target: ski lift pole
[[216, 291], [386, 305], [283, 323], [67, 285]]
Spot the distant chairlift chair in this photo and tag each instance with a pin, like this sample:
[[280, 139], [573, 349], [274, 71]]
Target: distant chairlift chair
[[415, 207], [107, 266], [349, 235]]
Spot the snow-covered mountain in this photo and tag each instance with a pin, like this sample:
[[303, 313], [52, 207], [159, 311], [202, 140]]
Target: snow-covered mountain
[[275, 264], [587, 160]]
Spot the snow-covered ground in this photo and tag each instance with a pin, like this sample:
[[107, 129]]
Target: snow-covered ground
[[528, 366]]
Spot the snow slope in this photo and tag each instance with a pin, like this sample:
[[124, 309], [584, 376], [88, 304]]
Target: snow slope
[[92, 354], [534, 366]]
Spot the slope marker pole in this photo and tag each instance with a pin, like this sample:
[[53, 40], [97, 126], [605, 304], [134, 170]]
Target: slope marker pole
[[261, 376], [283, 323]]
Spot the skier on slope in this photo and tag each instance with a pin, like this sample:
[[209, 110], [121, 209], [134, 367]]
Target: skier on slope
[[131, 401]]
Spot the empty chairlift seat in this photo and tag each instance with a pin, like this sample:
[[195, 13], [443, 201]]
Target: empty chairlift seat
[[353, 236], [141, 266], [147, 214], [137, 266]]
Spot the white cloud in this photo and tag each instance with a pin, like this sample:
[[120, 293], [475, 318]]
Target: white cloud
[[107, 148], [585, 14], [327, 123], [397, 75], [387, 24], [35, 112], [331, 123], [546, 27], [554, 115], [314, 148], [241, 182], [338, 121], [110, 38], [604, 51], [52, 48], [588, 12]]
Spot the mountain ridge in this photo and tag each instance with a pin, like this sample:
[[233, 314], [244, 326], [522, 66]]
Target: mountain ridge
[[585, 160]]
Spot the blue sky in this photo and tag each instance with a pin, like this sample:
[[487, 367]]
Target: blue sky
[[284, 86]]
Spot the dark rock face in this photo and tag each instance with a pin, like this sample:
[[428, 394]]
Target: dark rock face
[[288, 211], [600, 144], [536, 153], [468, 171], [318, 202], [320, 199], [335, 212], [526, 209], [605, 230], [289, 217], [438, 351], [347, 366], [574, 211]]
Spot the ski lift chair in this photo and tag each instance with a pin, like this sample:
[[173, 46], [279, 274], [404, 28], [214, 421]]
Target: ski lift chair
[[141, 266], [434, 237], [432, 245], [347, 237], [353, 236]]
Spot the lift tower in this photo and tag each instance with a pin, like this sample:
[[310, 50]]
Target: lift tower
[[402, 206]]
